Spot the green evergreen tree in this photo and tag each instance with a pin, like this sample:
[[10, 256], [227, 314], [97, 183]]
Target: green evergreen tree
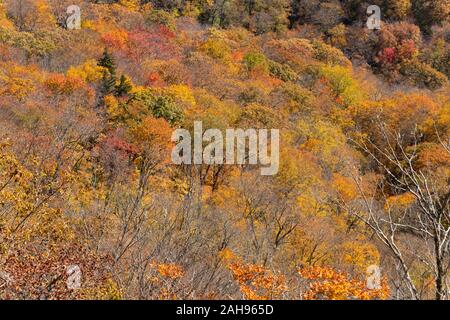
[[123, 87], [107, 61], [109, 79], [108, 85]]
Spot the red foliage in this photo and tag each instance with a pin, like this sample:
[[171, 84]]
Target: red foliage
[[157, 44], [153, 78], [115, 155], [387, 56], [115, 142]]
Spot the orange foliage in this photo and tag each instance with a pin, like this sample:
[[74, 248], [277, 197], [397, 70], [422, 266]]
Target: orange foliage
[[329, 284], [257, 282], [58, 83], [171, 271]]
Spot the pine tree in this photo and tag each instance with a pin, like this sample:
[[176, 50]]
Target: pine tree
[[109, 78], [124, 87], [108, 83], [107, 61]]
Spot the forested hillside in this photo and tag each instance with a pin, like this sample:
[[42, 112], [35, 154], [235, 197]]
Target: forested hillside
[[86, 177]]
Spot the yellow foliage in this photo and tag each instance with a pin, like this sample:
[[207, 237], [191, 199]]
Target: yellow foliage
[[113, 107], [217, 48], [37, 15], [181, 93], [227, 254], [18, 81], [347, 90], [106, 291], [4, 21], [23, 214], [88, 71], [360, 255], [43, 14], [324, 140], [400, 202], [130, 4]]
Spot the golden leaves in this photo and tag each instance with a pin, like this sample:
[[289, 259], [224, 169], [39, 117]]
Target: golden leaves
[[400, 202], [17, 81], [89, 71], [360, 255]]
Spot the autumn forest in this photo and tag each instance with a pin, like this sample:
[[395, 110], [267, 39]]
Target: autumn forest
[[92, 205]]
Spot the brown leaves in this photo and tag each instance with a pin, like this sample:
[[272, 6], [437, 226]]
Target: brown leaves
[[36, 272]]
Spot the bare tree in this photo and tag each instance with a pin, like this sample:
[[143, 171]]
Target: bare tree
[[426, 222]]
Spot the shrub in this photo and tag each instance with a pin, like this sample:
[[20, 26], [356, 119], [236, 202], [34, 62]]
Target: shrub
[[162, 17], [256, 62], [216, 48], [329, 55], [342, 83], [337, 36], [282, 71], [160, 106], [397, 9], [422, 75]]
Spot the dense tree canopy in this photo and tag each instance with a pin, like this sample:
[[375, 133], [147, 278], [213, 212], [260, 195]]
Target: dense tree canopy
[[86, 179]]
